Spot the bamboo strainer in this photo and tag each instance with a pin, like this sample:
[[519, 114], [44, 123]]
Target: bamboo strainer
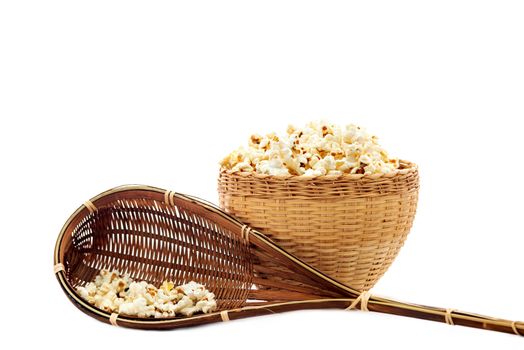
[[154, 234], [350, 227]]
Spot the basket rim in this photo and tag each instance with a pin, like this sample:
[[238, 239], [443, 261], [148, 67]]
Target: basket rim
[[409, 167]]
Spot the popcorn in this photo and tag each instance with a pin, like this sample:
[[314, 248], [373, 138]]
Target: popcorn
[[317, 149], [113, 292]]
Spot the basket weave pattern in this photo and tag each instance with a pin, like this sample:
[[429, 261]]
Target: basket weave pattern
[[350, 227], [151, 241]]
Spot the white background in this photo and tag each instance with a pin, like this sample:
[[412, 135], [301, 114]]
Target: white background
[[102, 93]]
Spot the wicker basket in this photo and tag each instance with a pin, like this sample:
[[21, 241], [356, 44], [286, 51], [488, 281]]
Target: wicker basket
[[155, 234], [350, 227]]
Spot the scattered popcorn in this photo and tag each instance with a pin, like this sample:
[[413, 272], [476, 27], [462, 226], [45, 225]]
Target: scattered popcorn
[[314, 150], [113, 292]]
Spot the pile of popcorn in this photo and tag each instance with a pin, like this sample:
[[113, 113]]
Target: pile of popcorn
[[118, 293], [317, 149]]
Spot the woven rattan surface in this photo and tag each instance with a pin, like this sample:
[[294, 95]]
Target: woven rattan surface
[[350, 227], [154, 234], [153, 241]]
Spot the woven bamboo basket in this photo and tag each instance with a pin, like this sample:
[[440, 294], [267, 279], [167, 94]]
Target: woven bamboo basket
[[153, 234], [350, 227]]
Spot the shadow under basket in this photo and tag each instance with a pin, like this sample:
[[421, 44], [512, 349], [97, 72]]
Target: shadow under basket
[[350, 227]]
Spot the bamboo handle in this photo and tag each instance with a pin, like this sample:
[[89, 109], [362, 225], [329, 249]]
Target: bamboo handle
[[453, 317]]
